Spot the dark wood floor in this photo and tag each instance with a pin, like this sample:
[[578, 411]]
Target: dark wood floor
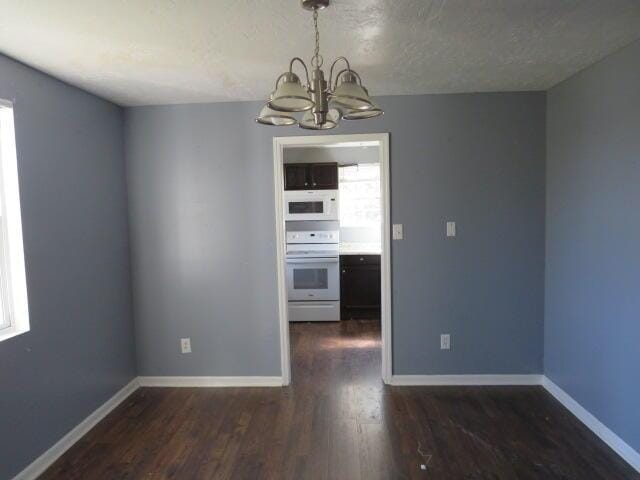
[[338, 421]]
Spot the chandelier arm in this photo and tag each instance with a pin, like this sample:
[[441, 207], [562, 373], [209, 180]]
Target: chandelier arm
[[334, 64], [278, 80], [306, 71]]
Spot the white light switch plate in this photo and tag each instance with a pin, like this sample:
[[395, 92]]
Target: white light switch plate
[[185, 345], [397, 231], [451, 229], [445, 341]]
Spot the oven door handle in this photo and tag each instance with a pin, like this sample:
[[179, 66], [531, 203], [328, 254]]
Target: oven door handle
[[311, 260]]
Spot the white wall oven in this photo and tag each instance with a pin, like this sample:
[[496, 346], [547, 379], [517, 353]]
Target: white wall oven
[[311, 205], [313, 276]]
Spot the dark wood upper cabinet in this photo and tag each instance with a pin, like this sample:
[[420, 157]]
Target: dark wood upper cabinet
[[311, 176], [324, 176], [296, 177]]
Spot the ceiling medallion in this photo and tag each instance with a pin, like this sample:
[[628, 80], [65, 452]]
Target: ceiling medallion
[[321, 104]]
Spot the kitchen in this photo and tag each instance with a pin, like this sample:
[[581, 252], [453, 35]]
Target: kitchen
[[332, 213]]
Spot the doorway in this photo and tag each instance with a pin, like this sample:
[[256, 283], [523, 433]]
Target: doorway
[[315, 210]]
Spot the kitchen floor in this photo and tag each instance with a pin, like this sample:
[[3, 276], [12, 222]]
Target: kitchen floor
[[338, 421]]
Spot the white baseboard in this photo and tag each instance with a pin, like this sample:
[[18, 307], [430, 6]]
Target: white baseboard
[[596, 426], [44, 461], [210, 381], [425, 380]]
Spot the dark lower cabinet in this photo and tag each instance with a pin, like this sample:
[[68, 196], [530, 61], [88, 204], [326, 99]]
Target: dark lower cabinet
[[359, 286]]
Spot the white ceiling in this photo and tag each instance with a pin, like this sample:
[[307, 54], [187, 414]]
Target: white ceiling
[[139, 52]]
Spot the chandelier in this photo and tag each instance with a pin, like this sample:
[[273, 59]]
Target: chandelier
[[321, 104]]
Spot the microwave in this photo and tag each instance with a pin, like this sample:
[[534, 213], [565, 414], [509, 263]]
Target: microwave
[[311, 205]]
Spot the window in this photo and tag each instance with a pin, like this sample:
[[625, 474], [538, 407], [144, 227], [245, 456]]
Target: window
[[14, 311], [360, 195]]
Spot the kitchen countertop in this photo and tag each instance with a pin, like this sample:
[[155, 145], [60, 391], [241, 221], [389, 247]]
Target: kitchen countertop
[[360, 249]]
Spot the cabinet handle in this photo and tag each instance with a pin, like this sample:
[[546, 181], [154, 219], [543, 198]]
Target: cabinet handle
[[361, 259], [344, 271], [305, 183], [314, 184]]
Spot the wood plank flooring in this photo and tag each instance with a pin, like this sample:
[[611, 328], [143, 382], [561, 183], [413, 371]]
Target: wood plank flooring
[[337, 421]]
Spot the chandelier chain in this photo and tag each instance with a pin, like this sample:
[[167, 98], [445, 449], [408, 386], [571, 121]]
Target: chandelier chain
[[317, 59]]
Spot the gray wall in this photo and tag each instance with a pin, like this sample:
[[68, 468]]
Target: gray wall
[[592, 321], [80, 349], [203, 235]]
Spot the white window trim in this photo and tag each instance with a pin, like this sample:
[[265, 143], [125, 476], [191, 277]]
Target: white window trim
[[13, 289]]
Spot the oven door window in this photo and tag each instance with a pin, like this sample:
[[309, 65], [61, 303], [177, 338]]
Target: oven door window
[[306, 207], [310, 279]]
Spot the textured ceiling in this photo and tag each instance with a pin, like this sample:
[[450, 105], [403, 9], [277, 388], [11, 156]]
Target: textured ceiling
[[138, 52]]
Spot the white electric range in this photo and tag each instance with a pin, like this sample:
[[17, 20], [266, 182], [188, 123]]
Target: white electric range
[[313, 276]]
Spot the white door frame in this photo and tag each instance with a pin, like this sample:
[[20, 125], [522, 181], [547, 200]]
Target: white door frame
[[381, 140]]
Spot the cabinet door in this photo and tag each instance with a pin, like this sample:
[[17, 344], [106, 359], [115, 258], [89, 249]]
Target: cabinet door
[[296, 176], [359, 287], [324, 176]]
